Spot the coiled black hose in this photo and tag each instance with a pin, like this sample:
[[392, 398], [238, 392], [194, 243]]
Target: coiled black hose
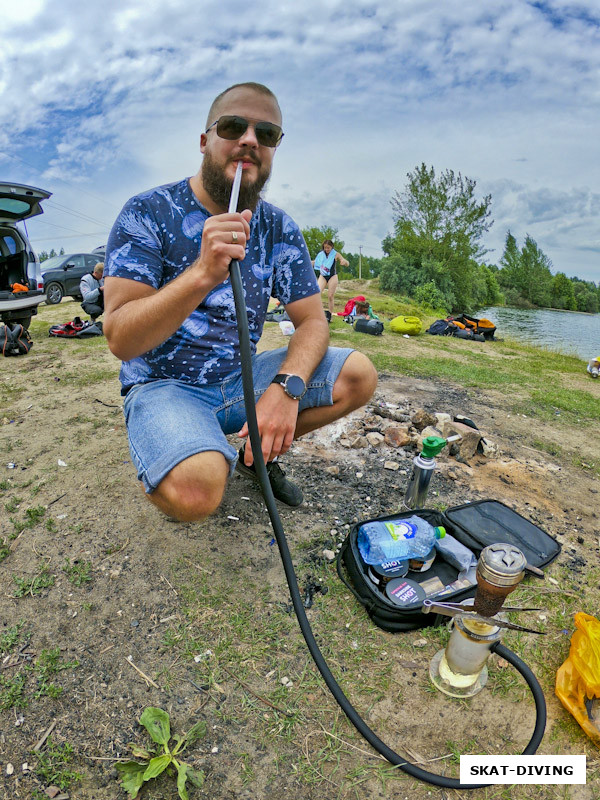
[[332, 685]]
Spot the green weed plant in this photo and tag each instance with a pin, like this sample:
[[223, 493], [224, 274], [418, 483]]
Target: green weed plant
[[136, 773]]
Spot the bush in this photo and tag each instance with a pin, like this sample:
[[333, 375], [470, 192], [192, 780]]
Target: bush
[[430, 297], [514, 299]]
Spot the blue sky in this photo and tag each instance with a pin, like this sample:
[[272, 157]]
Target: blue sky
[[101, 101]]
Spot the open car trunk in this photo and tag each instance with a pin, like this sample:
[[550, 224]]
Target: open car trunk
[[13, 270]]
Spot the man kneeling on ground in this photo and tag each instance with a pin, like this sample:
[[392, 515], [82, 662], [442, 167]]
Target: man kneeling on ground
[[170, 317], [91, 287]]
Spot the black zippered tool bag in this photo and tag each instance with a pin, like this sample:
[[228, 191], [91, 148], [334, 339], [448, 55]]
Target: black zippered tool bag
[[475, 525]]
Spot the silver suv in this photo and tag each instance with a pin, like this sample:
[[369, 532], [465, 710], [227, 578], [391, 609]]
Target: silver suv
[[21, 283]]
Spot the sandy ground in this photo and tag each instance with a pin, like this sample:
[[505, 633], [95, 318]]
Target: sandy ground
[[160, 593]]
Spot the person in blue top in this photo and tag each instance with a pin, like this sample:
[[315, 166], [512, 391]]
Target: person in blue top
[[325, 263], [170, 317]]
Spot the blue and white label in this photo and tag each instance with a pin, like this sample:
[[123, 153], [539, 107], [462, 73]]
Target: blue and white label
[[401, 530], [523, 769]]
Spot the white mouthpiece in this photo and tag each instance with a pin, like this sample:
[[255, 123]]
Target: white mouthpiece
[[235, 189]]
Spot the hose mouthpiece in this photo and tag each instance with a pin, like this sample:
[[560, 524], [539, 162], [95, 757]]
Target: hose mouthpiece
[[499, 569], [235, 188]]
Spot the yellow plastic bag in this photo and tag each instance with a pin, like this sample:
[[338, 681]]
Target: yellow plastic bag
[[578, 679]]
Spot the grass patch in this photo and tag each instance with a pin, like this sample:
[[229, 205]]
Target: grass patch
[[577, 406], [78, 572], [16, 691], [54, 765], [47, 665], [33, 586], [33, 515], [552, 448]]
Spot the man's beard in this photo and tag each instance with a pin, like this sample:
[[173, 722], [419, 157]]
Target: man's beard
[[218, 185]]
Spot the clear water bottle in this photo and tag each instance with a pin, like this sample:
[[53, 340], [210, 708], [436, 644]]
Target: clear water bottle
[[380, 541]]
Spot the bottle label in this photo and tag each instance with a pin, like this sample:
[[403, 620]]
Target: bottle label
[[401, 530]]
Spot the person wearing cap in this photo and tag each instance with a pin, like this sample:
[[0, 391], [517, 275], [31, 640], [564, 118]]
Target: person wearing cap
[[593, 367], [171, 318]]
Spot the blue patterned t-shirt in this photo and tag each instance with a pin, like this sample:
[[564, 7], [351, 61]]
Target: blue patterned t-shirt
[[157, 236]]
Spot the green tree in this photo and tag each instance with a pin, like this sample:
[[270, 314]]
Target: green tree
[[587, 295], [538, 278], [511, 272], [314, 238], [43, 256], [438, 228], [563, 293]]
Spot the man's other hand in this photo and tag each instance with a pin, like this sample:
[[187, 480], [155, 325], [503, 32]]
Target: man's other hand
[[277, 415]]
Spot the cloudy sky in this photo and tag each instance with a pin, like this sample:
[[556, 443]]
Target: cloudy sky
[[103, 100]]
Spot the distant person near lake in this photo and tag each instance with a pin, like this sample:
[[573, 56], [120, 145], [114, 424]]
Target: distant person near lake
[[594, 367], [325, 263]]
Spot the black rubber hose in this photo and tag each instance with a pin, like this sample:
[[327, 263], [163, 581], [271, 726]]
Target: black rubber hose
[[335, 689]]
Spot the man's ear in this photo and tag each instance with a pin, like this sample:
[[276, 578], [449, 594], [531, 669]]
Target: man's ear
[[203, 140]]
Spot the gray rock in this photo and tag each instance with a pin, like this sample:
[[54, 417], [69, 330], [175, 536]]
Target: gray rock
[[469, 440]]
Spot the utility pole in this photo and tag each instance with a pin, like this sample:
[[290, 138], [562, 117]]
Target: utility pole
[[360, 262]]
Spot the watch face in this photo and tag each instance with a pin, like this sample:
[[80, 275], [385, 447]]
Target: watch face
[[295, 386]]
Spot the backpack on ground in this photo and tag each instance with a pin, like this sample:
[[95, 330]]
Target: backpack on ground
[[278, 314], [480, 326], [14, 340], [76, 329], [410, 325], [441, 327], [372, 326]]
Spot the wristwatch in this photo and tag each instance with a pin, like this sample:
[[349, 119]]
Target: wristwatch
[[293, 385]]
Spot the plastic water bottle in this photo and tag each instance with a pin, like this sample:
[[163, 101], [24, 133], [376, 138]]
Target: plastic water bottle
[[381, 541]]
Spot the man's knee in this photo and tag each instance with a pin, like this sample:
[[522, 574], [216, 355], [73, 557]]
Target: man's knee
[[194, 488], [356, 382]]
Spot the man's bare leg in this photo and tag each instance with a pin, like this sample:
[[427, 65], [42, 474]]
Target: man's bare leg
[[194, 488], [353, 388]]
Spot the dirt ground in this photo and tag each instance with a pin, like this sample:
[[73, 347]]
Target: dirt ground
[[161, 593]]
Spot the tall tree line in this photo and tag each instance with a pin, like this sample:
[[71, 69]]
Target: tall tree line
[[527, 280]]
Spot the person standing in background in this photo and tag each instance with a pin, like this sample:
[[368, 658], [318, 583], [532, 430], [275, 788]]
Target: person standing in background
[[326, 263]]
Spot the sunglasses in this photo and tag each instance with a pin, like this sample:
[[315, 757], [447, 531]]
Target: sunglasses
[[233, 127]]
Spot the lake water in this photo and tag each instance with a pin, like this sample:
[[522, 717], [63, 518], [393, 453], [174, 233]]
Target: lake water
[[565, 331]]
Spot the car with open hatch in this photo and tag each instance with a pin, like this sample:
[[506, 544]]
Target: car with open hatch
[[62, 274], [21, 282]]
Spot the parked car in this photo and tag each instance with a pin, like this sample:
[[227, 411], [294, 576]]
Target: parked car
[[19, 265], [62, 274]]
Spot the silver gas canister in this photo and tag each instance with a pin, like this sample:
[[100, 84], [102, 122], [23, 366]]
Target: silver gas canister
[[423, 467]]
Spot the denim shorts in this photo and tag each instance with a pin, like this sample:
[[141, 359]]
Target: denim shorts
[[169, 420]]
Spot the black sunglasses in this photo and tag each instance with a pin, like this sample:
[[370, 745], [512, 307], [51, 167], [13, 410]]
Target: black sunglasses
[[234, 127]]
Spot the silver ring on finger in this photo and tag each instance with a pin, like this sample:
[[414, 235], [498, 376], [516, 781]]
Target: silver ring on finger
[[234, 236]]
